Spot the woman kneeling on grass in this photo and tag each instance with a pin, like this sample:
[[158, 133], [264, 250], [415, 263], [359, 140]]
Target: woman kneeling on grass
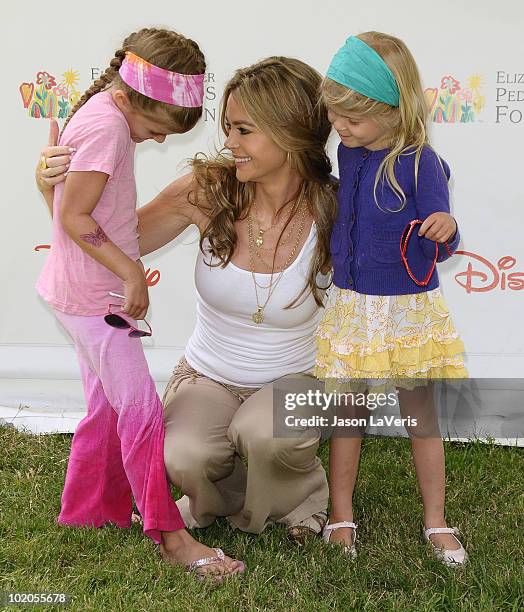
[[264, 214]]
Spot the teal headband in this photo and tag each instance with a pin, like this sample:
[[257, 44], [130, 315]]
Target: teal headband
[[359, 67]]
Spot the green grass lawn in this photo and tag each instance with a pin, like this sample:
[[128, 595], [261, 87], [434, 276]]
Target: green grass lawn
[[112, 569]]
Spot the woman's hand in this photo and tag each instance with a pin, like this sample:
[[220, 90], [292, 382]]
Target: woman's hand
[[53, 163], [439, 226], [136, 293]]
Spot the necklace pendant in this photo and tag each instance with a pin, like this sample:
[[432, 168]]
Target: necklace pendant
[[258, 316], [259, 240]]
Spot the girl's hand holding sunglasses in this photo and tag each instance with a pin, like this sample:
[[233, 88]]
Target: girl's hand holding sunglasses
[[115, 320], [136, 291]]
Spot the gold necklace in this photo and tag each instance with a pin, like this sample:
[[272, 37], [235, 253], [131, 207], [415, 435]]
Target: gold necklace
[[286, 239], [252, 249], [283, 243], [259, 240], [258, 316]]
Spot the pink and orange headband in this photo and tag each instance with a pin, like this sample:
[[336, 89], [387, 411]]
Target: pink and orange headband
[[185, 90]]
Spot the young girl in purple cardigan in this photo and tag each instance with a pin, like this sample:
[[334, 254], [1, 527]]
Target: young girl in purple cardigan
[[382, 321]]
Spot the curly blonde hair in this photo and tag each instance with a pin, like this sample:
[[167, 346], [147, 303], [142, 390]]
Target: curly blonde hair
[[299, 125]]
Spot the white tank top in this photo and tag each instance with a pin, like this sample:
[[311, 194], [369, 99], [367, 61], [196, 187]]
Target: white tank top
[[228, 346]]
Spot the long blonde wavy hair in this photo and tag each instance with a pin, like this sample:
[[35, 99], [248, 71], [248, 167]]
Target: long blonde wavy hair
[[407, 123], [165, 49], [281, 96]]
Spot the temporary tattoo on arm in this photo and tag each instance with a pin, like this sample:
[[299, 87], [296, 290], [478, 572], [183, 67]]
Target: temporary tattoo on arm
[[96, 238]]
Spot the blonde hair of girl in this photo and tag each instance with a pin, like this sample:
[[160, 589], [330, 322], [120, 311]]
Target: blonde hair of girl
[[165, 49], [407, 122], [299, 125]]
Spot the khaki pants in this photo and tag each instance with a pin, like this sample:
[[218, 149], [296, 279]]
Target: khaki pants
[[212, 431]]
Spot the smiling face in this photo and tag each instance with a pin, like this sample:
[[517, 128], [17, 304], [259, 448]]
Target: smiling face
[[359, 131], [257, 157]]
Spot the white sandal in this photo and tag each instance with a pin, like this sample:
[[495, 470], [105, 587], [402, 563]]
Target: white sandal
[[329, 528], [451, 558]]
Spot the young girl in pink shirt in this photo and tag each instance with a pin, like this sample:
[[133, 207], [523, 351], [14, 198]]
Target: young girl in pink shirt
[[152, 88]]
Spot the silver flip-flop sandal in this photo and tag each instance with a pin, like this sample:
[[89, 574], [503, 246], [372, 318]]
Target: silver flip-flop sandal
[[194, 566]]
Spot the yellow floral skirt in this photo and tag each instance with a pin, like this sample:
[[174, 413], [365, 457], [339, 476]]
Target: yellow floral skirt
[[408, 338]]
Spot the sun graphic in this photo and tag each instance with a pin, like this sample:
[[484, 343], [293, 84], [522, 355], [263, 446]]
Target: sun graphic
[[71, 77], [475, 82]]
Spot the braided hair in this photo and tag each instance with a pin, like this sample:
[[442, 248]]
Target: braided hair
[[163, 48]]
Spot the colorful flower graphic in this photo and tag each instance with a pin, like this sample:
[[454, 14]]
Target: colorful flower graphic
[[63, 105], [465, 95], [449, 83], [45, 98], [452, 103], [61, 90], [74, 97], [45, 79], [479, 103]]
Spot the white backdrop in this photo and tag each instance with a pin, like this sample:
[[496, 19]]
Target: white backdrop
[[470, 57]]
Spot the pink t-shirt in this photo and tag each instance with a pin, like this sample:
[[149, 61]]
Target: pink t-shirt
[[71, 280]]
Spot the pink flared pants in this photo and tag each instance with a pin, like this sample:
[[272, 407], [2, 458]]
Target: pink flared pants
[[118, 448]]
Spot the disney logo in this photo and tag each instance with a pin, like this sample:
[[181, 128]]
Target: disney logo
[[481, 275], [152, 276]]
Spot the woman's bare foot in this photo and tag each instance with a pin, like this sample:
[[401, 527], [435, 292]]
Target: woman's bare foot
[[179, 548]]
